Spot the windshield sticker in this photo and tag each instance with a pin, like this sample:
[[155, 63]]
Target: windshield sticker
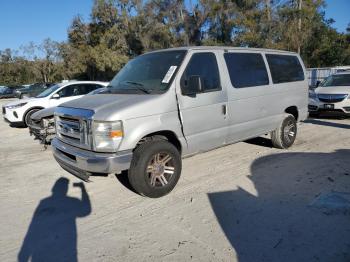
[[169, 74]]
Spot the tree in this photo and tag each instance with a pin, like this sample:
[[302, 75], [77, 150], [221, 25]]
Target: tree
[[119, 30]]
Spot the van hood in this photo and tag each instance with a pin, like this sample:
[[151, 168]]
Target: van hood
[[111, 107], [333, 90], [47, 112]]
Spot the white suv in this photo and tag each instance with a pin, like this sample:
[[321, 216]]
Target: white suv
[[19, 111], [333, 95]]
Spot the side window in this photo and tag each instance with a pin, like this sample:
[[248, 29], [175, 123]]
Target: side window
[[67, 91], [205, 66], [77, 90], [246, 69], [285, 68]]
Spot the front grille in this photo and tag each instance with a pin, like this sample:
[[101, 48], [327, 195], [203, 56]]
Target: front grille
[[312, 107], [72, 131], [73, 126], [331, 98]]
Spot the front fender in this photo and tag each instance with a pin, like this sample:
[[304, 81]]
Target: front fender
[[137, 128]]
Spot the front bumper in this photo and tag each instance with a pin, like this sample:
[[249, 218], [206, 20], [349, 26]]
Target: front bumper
[[11, 115], [318, 106], [83, 163], [45, 134]]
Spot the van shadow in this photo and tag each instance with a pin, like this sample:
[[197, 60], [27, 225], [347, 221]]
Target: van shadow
[[124, 180], [260, 141], [52, 234], [326, 123], [328, 115], [293, 217]]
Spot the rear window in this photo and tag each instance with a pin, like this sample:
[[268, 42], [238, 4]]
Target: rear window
[[285, 68], [246, 69]]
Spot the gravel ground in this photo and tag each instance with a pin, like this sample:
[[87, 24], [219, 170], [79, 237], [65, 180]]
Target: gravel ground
[[243, 202]]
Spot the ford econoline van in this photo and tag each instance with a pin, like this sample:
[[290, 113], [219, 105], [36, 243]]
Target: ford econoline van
[[169, 104]]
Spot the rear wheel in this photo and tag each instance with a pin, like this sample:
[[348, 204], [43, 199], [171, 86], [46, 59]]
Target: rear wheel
[[27, 119], [155, 168], [284, 136]]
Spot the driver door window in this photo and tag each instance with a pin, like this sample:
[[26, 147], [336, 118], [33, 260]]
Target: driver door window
[[203, 65]]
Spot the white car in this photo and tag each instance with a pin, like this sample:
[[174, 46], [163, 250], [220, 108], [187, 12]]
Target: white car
[[19, 111], [332, 95]]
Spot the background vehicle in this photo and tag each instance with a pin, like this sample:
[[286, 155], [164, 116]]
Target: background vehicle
[[42, 123], [32, 90], [173, 103], [7, 92], [19, 112], [22, 92], [332, 95], [318, 75]]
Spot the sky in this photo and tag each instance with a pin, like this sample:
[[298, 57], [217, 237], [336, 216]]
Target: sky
[[23, 21]]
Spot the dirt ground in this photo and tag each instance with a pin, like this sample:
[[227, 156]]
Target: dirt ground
[[243, 202]]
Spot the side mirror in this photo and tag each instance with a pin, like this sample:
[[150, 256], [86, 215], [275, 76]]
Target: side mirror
[[318, 82], [55, 96], [194, 86]]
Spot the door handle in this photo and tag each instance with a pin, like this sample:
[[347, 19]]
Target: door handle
[[224, 109]]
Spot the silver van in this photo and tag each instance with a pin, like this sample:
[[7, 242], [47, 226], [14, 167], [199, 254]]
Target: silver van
[[169, 104]]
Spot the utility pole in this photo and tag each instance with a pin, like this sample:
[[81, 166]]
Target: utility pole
[[268, 9], [299, 25]]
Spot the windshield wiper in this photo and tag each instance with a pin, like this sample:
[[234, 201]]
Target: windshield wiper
[[139, 86], [134, 83]]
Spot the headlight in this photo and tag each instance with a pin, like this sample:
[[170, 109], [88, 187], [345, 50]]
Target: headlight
[[17, 105], [107, 135], [312, 95]]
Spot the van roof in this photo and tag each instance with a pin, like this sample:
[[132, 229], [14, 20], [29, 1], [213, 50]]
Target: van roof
[[225, 48]]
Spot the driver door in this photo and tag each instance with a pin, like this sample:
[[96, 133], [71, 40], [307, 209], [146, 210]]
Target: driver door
[[204, 114]]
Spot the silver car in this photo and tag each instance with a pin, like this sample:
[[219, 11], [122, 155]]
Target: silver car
[[332, 95], [173, 103]]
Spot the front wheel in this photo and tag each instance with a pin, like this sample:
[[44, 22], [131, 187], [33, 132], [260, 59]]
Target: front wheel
[[155, 168], [284, 136]]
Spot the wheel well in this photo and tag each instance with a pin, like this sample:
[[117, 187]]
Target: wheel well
[[26, 112], [293, 110], [165, 135]]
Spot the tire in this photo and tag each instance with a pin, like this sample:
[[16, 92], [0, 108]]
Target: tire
[[148, 175], [284, 136], [27, 119]]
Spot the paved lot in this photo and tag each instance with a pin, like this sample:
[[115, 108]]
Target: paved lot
[[244, 202]]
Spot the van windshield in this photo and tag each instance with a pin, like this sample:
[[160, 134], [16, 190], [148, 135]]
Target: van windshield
[[149, 73], [337, 80]]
